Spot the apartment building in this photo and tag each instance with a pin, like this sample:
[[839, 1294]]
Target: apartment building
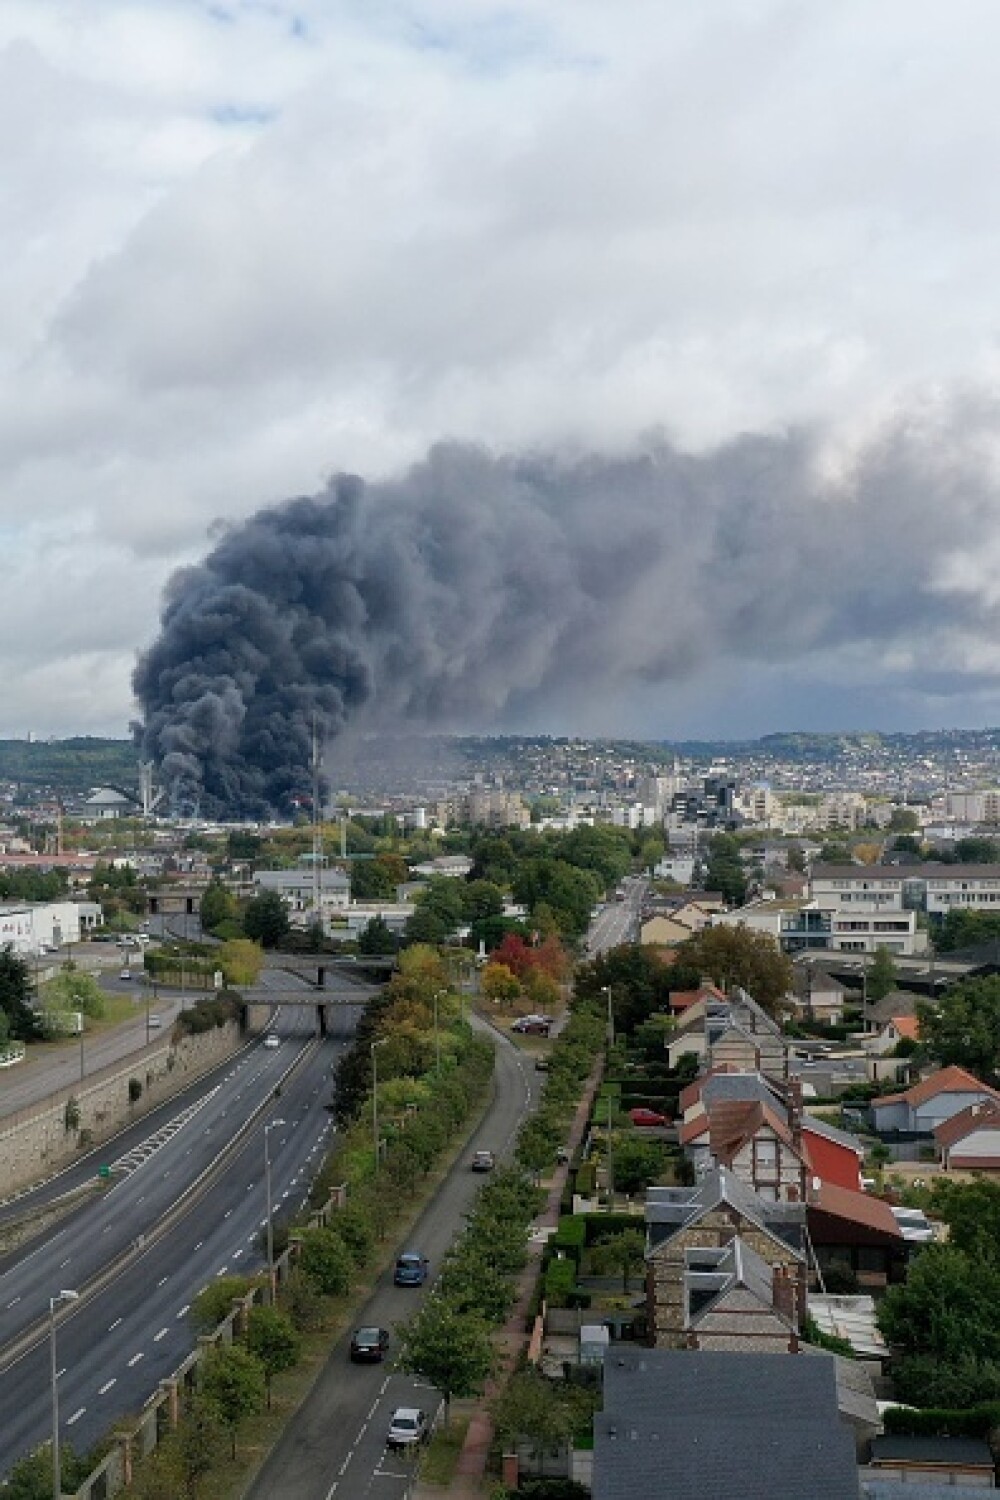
[[933, 888], [858, 927]]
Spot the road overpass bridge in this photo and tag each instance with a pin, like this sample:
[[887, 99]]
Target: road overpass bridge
[[261, 1001]]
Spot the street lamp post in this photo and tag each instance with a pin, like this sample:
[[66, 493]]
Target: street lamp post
[[267, 1193], [64, 1296], [379, 1043], [611, 1018], [437, 1031]]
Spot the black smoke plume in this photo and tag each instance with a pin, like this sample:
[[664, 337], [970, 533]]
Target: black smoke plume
[[475, 587]]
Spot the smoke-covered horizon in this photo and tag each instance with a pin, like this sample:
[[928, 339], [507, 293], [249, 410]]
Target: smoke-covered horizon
[[477, 589]]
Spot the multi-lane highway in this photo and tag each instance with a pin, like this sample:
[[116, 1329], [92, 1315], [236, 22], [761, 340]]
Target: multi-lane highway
[[335, 1448], [115, 1345]]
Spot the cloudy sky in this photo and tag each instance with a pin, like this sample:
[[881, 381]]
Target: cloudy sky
[[250, 243]]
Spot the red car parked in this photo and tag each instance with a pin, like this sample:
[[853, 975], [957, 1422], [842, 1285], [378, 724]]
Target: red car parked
[[646, 1117]]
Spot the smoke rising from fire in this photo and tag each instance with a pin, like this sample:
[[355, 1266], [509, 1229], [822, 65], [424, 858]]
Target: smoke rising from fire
[[476, 587]]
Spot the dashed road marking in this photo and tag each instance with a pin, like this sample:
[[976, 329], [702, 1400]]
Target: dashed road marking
[[103, 1390]]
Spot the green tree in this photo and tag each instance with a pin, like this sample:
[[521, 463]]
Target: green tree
[[72, 989], [31, 1477], [216, 1301], [964, 1026], [946, 1308], [881, 976], [447, 1347], [265, 919], [962, 928], [377, 879], [972, 1212], [240, 961], [217, 905], [624, 1252], [425, 926], [273, 1339], [569, 892], [243, 845], [15, 997], [637, 1164], [377, 939], [233, 1383], [531, 1409], [724, 871], [903, 820], [481, 900], [977, 851], [640, 983], [326, 1261], [737, 955]]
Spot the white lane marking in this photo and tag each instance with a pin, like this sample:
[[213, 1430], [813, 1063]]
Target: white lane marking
[[201, 1242], [135, 1359], [64, 1263], [103, 1390], [114, 1325], [161, 1335], [75, 1417], [17, 1300], [163, 1279], [185, 1309]]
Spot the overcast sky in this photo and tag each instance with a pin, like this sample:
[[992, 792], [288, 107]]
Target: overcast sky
[[248, 243]]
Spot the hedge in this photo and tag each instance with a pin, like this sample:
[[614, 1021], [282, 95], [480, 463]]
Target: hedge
[[931, 1421]]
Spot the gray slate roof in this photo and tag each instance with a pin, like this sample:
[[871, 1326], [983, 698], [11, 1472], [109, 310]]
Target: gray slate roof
[[670, 1209], [936, 1450], [707, 1426]]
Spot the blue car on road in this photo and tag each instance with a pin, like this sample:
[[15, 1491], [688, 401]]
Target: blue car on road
[[411, 1269]]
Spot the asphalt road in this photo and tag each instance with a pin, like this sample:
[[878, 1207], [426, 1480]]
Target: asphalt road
[[618, 921], [335, 1447], [116, 1346]]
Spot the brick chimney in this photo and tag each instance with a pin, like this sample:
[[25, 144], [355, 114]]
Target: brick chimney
[[786, 1296]]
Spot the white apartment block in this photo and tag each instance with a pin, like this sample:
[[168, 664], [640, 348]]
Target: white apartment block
[[842, 810], [978, 808], [935, 889], [757, 805], [296, 887], [800, 925]]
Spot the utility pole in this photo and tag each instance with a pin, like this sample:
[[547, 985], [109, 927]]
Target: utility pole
[[317, 834]]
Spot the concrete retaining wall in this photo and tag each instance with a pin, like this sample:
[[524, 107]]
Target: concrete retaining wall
[[78, 1118]]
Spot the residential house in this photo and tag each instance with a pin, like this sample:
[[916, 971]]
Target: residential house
[[735, 1033], [756, 1127], [925, 1105], [816, 995], [895, 1030], [734, 1300], [711, 1215], [816, 923], [681, 1000], [666, 922], [699, 1427], [970, 1140], [856, 1232]]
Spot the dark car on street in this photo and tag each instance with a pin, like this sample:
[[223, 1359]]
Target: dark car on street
[[411, 1269], [369, 1345]]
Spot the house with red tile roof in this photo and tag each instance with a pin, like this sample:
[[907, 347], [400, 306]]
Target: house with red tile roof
[[897, 1029], [756, 1126], [679, 1000], [855, 1231], [927, 1104], [970, 1140]]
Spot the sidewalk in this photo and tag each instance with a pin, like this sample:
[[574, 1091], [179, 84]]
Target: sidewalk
[[512, 1338]]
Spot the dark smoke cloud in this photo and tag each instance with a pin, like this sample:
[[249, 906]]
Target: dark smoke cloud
[[476, 587]]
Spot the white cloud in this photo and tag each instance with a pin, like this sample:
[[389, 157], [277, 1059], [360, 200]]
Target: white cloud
[[246, 243]]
